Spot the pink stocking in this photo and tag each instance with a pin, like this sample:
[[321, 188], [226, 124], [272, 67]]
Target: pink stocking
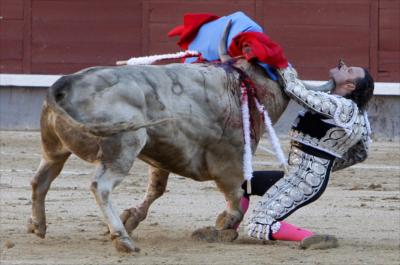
[[289, 232]]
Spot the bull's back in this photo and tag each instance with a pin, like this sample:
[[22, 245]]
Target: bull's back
[[203, 100], [118, 94]]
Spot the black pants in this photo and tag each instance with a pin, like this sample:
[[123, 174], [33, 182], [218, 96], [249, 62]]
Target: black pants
[[262, 181]]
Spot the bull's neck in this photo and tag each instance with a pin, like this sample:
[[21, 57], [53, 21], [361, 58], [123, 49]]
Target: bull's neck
[[267, 91]]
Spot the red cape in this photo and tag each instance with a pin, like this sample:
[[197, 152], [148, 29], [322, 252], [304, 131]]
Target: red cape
[[257, 45], [191, 25]]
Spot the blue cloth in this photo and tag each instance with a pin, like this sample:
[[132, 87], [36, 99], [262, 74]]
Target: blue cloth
[[209, 36]]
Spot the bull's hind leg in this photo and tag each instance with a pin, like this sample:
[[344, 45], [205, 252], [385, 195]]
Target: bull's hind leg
[[48, 170], [156, 187], [104, 181]]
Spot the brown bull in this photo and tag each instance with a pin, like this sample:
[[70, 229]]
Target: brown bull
[[178, 118]]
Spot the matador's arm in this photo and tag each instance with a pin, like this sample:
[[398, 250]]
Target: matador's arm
[[356, 154], [343, 111]]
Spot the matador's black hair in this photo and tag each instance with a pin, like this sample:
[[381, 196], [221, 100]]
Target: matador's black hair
[[363, 91]]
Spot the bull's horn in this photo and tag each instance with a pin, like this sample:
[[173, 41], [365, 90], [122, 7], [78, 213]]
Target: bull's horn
[[328, 86], [223, 54]]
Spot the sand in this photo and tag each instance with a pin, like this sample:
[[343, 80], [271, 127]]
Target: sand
[[361, 207]]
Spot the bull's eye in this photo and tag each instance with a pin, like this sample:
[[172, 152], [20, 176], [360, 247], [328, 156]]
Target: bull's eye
[[60, 96]]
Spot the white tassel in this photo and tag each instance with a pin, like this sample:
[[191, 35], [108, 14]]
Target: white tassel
[[153, 58], [367, 124], [247, 156], [272, 136]]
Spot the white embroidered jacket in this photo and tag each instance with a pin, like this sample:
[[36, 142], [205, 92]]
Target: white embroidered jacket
[[348, 140]]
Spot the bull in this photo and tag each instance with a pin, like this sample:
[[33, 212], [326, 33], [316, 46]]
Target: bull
[[179, 118]]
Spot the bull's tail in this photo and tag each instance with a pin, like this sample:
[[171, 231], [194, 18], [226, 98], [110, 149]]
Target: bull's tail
[[59, 90], [108, 129]]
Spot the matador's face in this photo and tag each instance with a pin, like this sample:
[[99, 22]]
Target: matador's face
[[345, 77]]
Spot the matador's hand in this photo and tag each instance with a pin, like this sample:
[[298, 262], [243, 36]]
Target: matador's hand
[[287, 76]]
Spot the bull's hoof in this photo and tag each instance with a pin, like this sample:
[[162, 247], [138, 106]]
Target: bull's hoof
[[319, 242], [227, 221], [131, 218], [35, 228], [210, 234], [227, 235], [124, 244], [221, 221]]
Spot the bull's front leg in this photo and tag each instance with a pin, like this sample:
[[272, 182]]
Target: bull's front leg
[[158, 179], [225, 229], [233, 214]]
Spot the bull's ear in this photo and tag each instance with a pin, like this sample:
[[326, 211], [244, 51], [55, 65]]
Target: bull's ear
[[223, 54]]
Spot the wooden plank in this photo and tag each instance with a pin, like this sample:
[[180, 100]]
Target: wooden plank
[[259, 16], [389, 4], [83, 33], [163, 47], [11, 36], [389, 57], [389, 40], [82, 52], [59, 68], [88, 11], [12, 30], [11, 49], [145, 36], [11, 45], [392, 68], [10, 66], [388, 76], [316, 12], [27, 36], [316, 35], [71, 34], [172, 11], [389, 18], [313, 73], [158, 33], [289, 36], [12, 9], [95, 53], [63, 31], [326, 57], [374, 38]]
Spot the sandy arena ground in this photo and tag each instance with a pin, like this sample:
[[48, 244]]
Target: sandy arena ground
[[361, 206]]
